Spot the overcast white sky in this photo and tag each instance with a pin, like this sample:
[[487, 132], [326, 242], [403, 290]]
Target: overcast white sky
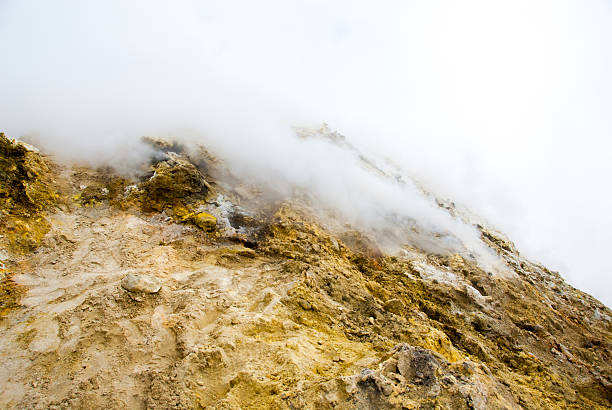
[[502, 105]]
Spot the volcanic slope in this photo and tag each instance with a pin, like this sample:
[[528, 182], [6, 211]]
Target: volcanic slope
[[236, 300]]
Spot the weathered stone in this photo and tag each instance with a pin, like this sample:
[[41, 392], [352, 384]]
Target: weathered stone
[[26, 192], [205, 221], [141, 283], [394, 306], [305, 304], [416, 364], [174, 179]]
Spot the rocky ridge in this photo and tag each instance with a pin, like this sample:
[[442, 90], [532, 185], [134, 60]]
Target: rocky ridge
[[189, 289]]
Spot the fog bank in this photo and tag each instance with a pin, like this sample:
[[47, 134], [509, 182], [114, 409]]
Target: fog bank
[[503, 107]]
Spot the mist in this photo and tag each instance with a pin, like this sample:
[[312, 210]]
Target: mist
[[501, 106]]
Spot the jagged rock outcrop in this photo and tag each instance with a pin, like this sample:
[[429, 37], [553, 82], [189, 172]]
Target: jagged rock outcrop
[[275, 306], [413, 377], [174, 180], [26, 192]]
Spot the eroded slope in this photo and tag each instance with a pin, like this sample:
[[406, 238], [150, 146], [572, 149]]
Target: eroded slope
[[273, 306]]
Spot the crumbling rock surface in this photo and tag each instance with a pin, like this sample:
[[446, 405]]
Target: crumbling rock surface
[[26, 192], [175, 179], [413, 377], [276, 307]]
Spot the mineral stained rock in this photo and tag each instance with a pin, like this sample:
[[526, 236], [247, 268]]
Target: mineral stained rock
[[266, 304], [26, 193], [175, 179], [205, 221]]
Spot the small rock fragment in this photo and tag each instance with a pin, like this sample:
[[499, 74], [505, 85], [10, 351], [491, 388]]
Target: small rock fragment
[[305, 304], [141, 283], [394, 306], [205, 221]]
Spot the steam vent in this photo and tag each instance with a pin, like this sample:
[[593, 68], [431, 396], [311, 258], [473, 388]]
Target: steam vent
[[183, 286]]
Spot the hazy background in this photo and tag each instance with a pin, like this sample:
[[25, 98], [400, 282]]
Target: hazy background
[[502, 106]]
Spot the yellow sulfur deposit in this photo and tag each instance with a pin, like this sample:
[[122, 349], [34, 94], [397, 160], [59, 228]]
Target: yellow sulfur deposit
[[26, 194], [205, 221]]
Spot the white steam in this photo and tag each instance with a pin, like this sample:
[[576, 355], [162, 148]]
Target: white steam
[[502, 106]]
